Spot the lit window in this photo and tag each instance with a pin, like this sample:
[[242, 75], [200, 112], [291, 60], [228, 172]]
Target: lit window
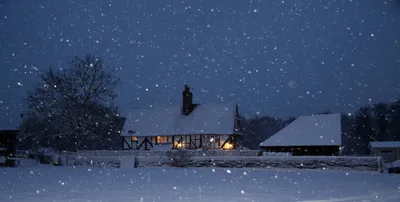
[[162, 139], [134, 139], [228, 146], [179, 145]]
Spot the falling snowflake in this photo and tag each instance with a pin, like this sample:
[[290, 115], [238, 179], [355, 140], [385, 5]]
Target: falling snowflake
[[292, 84]]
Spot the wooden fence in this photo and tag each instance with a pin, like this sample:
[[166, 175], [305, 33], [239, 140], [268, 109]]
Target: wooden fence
[[164, 153]]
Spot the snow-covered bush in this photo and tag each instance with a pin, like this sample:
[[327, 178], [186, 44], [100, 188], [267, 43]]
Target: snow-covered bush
[[179, 158], [102, 163], [243, 148], [276, 154], [48, 156]]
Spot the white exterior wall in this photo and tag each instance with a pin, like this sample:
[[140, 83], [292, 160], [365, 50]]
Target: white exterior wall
[[128, 141], [140, 140], [223, 139]]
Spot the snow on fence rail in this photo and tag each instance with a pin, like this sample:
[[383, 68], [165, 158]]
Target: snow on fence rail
[[286, 162], [359, 163], [68, 158], [366, 163], [164, 153]]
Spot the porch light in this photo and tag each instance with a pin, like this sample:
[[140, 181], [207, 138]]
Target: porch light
[[228, 146], [179, 145]]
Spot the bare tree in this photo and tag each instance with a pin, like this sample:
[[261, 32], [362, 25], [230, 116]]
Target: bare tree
[[73, 101]]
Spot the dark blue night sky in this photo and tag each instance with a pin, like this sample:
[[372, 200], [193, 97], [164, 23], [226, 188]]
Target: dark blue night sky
[[292, 57]]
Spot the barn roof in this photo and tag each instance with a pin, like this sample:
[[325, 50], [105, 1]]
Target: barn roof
[[168, 121], [316, 130], [385, 144]]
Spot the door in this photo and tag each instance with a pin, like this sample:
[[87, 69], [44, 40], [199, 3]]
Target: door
[[398, 153], [388, 155]]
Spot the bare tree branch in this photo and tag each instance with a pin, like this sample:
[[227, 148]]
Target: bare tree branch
[[73, 101]]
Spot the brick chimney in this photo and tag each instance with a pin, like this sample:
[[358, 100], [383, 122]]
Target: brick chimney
[[187, 104]]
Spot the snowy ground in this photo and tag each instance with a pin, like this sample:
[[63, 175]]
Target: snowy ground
[[47, 183]]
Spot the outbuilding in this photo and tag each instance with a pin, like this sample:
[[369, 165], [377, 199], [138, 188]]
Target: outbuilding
[[308, 135], [8, 146], [388, 150]]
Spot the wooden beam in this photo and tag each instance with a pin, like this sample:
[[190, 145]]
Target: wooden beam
[[194, 143], [125, 142], [235, 142], [150, 143], [141, 144], [201, 140], [226, 141], [145, 142], [179, 141]]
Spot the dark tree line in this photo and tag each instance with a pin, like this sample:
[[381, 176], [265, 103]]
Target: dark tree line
[[256, 130], [378, 122]]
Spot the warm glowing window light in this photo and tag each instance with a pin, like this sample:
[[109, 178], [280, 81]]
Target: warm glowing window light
[[228, 146], [179, 145], [162, 139]]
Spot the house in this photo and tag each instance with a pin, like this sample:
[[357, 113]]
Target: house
[[388, 150], [308, 135], [190, 126], [8, 146]]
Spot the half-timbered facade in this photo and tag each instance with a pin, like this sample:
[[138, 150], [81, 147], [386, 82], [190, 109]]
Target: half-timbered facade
[[191, 126]]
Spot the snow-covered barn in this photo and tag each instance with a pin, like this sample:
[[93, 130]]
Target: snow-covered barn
[[308, 135], [190, 126]]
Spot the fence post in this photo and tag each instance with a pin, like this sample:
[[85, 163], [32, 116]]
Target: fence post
[[380, 164]]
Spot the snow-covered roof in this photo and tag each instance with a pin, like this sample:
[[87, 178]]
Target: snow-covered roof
[[316, 130], [385, 144], [395, 164], [168, 121]]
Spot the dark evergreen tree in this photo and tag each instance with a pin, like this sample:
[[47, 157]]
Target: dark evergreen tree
[[394, 121], [362, 129], [380, 112]]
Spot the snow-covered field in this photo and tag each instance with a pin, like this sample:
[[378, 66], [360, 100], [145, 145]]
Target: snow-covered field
[[48, 183]]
